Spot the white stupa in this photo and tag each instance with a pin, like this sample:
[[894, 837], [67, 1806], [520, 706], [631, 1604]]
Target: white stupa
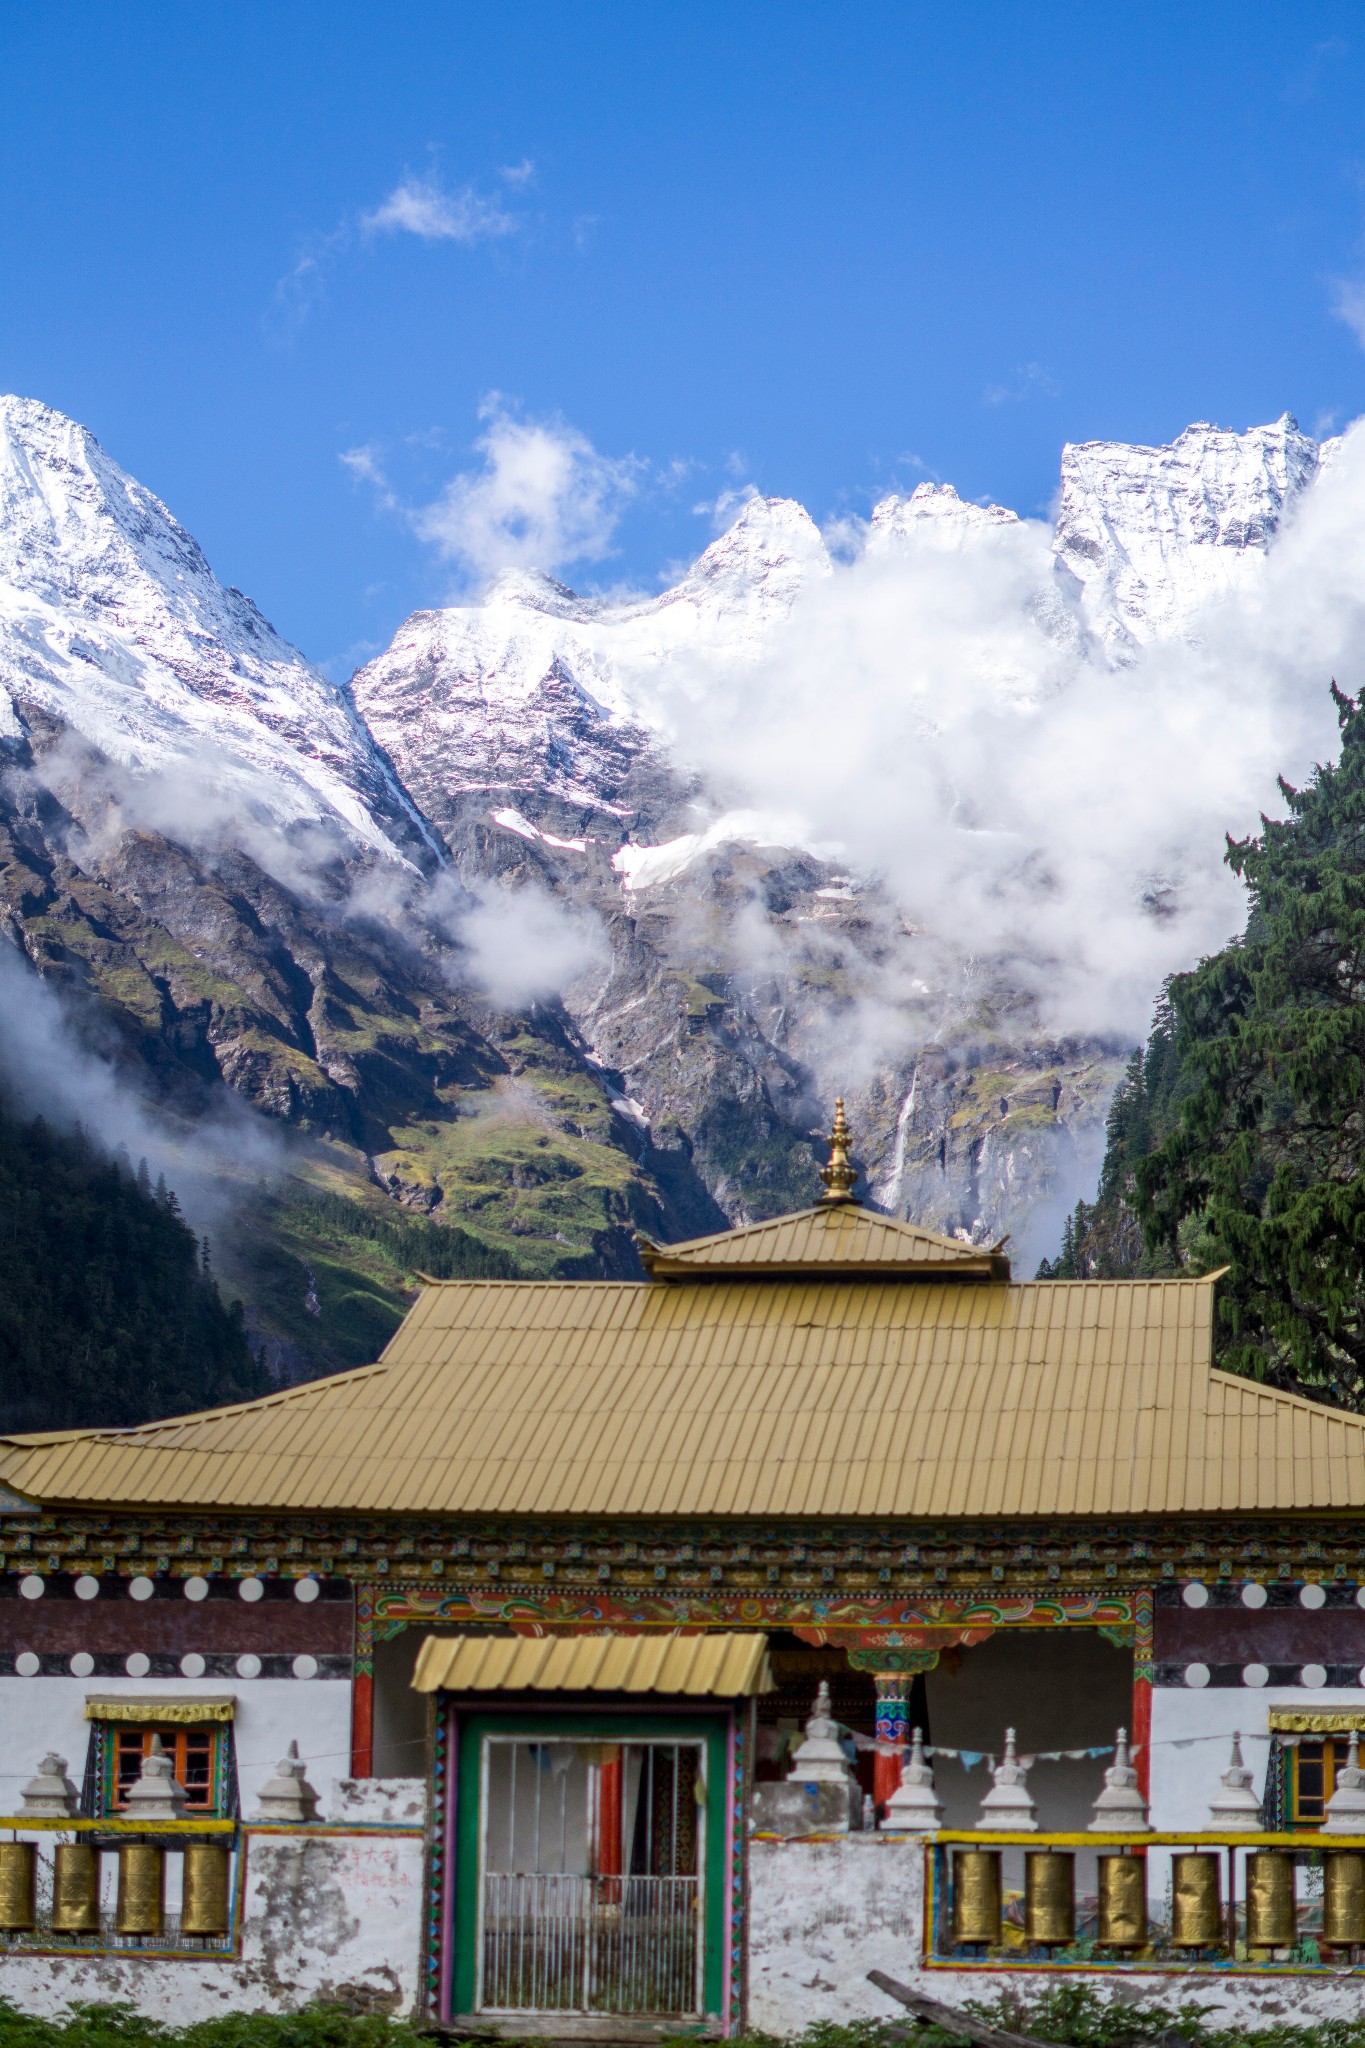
[[1008, 1805], [915, 1807], [1120, 1808]]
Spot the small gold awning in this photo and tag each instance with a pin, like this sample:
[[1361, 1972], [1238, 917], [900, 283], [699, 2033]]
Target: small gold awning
[[1308, 1721], [716, 1666], [148, 1708]]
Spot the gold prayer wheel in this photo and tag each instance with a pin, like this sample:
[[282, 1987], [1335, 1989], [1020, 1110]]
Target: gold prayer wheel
[[1271, 1920], [976, 1896], [141, 1888], [1197, 1901], [75, 1889], [1123, 1902], [18, 1887], [205, 1906], [1049, 1897], [1343, 1898]]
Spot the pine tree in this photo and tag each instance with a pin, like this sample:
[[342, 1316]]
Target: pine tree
[[1260, 1162], [108, 1313]]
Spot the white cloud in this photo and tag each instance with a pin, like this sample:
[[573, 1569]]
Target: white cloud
[[518, 174], [939, 715], [1029, 380], [366, 466], [522, 946], [419, 206], [543, 499], [1348, 304]]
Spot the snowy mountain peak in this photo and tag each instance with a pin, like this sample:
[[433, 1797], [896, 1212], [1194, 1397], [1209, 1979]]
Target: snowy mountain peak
[[1150, 534], [112, 622], [773, 544], [934, 516]]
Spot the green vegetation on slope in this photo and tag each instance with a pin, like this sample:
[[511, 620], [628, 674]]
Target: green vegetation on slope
[[1239, 1136], [333, 1268], [108, 1313]]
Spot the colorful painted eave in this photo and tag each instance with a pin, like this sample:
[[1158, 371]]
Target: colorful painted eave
[[767, 1399]]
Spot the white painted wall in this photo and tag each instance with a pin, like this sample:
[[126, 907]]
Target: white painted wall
[[1192, 1731], [325, 1916], [824, 1913], [39, 1714]]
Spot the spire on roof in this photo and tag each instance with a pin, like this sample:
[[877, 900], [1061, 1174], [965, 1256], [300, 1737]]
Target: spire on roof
[[838, 1176]]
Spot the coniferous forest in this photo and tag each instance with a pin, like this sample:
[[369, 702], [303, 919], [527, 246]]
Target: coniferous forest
[[108, 1313], [1238, 1136]]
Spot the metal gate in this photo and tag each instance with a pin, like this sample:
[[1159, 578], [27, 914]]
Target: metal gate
[[590, 1884]]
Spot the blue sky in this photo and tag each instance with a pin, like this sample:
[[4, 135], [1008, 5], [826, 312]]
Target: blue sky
[[292, 264]]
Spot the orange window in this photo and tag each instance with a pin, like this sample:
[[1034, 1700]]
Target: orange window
[[194, 1754]]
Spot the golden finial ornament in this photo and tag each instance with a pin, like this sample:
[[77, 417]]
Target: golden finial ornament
[[838, 1176]]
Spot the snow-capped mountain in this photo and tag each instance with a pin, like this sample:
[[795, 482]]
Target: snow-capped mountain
[[1153, 534], [528, 739], [112, 622], [539, 691], [532, 728]]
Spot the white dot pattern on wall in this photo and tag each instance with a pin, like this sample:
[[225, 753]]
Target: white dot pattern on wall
[[249, 1666], [305, 1667], [196, 1588], [1314, 1676], [32, 1587], [1195, 1594], [1197, 1674], [138, 1665], [250, 1589], [140, 1588], [1255, 1674], [1360, 1596], [82, 1664], [306, 1589], [86, 1588], [192, 1664], [1312, 1596], [1253, 1594], [27, 1664]]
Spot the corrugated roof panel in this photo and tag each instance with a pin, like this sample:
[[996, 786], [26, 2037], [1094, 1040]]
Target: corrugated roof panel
[[750, 1397]]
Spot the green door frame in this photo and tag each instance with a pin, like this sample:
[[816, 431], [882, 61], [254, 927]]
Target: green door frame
[[588, 1725]]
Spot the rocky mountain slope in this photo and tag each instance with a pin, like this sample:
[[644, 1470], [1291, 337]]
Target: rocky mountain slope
[[532, 730], [203, 848], [247, 879]]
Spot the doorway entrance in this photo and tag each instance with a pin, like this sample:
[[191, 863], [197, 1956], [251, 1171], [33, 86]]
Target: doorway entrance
[[590, 1866]]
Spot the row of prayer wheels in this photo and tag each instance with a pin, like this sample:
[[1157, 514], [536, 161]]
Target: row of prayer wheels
[[1197, 1919], [206, 1893]]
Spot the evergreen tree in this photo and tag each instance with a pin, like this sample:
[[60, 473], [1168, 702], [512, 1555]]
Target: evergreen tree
[[1254, 1135], [106, 1313]]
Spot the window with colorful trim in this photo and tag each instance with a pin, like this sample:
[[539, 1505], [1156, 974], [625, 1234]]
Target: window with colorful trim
[[202, 1759]]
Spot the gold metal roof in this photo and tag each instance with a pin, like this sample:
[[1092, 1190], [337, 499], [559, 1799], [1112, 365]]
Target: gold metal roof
[[761, 1397], [719, 1666], [830, 1240]]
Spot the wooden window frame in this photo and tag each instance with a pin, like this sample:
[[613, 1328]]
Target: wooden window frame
[[176, 1740], [1332, 1750]]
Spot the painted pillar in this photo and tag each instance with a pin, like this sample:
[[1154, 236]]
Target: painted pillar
[[893, 1717], [1144, 1607], [609, 1820], [362, 1685]]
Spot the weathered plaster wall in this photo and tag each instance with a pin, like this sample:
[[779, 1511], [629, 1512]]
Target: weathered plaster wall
[[330, 1916], [824, 1913]]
